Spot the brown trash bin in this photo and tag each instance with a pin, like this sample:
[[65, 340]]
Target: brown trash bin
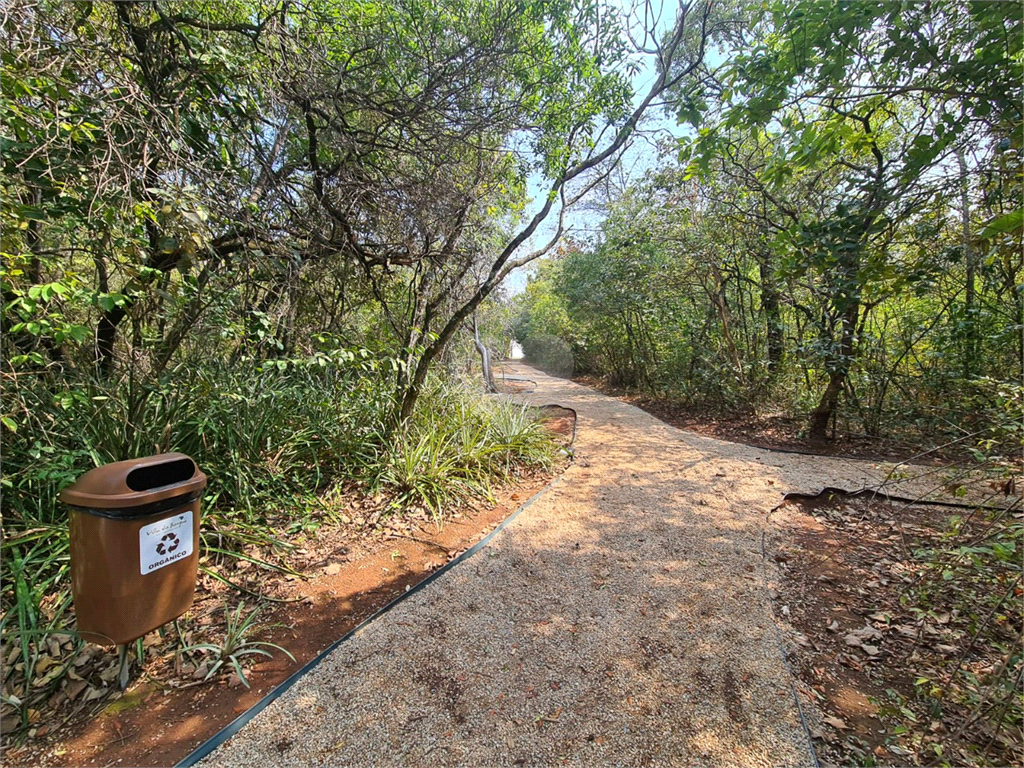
[[134, 531]]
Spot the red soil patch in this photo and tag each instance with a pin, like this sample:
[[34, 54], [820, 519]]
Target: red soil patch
[[515, 386], [561, 421]]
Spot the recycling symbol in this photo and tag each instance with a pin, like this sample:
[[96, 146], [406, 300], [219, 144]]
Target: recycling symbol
[[172, 543]]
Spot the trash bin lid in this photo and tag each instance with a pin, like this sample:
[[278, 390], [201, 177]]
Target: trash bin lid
[[135, 483]]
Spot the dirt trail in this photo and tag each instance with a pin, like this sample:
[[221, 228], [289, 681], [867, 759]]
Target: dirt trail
[[623, 618]]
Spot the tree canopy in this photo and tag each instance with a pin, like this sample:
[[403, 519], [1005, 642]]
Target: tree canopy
[[847, 199]]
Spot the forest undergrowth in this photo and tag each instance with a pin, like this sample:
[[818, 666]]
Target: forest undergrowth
[[280, 444]]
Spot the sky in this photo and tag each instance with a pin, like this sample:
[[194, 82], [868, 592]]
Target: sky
[[583, 223]]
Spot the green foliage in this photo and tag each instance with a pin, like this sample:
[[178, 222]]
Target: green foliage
[[223, 177], [273, 441], [236, 645], [458, 448], [847, 140], [715, 292], [967, 54], [635, 308]]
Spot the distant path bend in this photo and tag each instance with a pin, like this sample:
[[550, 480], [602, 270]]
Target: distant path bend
[[622, 619]]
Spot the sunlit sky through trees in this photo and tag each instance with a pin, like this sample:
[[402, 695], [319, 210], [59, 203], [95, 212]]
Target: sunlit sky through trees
[[583, 222]]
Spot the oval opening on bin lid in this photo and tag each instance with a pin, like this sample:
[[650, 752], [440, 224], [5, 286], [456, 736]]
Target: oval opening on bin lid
[[136, 483], [158, 475]]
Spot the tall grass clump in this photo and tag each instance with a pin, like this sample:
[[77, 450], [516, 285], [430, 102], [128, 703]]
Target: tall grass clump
[[457, 446]]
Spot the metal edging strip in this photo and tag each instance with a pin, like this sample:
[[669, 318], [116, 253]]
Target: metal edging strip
[[789, 668], [219, 738]]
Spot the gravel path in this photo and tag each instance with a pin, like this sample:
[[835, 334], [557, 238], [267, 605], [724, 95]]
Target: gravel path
[[621, 619]]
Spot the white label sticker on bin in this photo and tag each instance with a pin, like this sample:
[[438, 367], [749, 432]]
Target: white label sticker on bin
[[165, 542]]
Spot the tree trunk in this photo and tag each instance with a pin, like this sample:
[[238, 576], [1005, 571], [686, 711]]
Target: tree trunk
[[718, 298], [667, 78], [26, 342], [770, 303], [485, 359], [838, 372], [826, 407], [970, 354], [106, 336]]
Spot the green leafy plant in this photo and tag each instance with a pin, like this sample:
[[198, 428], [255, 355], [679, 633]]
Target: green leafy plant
[[237, 644]]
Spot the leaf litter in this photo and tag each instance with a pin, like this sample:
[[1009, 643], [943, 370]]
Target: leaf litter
[[895, 667]]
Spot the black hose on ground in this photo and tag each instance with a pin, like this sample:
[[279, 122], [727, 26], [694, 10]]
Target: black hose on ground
[[877, 493]]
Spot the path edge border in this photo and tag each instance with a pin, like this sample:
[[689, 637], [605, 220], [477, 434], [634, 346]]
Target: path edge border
[[224, 734]]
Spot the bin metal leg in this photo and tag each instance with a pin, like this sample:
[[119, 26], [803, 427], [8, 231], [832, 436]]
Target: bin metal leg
[[125, 669]]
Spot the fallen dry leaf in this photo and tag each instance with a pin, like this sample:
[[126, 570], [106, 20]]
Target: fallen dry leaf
[[868, 633], [74, 688], [553, 717], [44, 664], [837, 723]]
